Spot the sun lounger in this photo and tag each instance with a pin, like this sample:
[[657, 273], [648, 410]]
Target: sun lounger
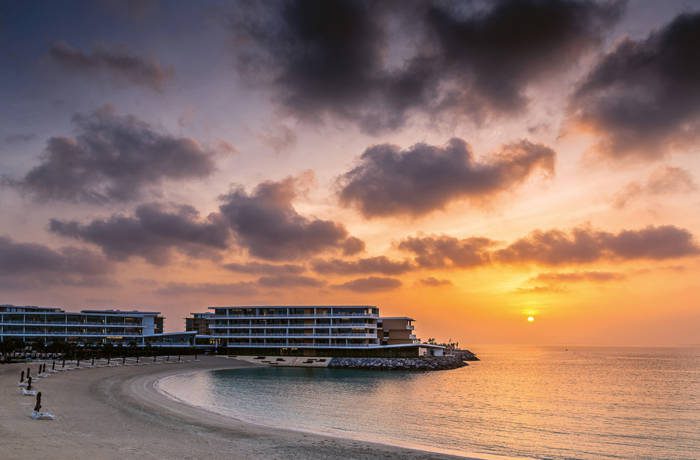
[[42, 415]]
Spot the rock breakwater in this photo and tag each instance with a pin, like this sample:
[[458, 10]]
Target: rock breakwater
[[427, 363]]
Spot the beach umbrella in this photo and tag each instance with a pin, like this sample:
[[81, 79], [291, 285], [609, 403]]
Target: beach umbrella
[[21, 377], [37, 406]]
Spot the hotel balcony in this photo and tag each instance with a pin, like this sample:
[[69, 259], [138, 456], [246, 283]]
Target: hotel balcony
[[217, 316], [296, 336]]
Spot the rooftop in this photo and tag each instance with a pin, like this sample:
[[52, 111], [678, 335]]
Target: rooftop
[[294, 306]]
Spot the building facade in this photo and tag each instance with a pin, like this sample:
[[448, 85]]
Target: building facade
[[396, 330], [277, 327], [52, 324], [198, 322]]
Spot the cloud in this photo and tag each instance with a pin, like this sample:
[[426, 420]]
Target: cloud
[[19, 138], [585, 245], [112, 159], [496, 54], [266, 223], [258, 268], [441, 251], [376, 65], [279, 138], [112, 61], [643, 99], [370, 284], [289, 281], [664, 180], [352, 246], [35, 265], [577, 277], [431, 281], [554, 282], [152, 233], [242, 288], [424, 178], [379, 264], [581, 245]]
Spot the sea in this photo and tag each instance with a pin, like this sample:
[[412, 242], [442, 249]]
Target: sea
[[529, 402]]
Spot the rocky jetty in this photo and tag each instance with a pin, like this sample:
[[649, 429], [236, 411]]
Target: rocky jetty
[[465, 355], [426, 363]]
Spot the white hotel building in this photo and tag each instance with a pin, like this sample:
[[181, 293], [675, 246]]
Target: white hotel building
[[295, 326], [52, 324]]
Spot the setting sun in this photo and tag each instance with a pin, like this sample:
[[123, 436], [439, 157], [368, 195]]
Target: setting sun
[[530, 319]]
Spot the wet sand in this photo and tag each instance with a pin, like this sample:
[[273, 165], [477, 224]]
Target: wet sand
[[117, 413]]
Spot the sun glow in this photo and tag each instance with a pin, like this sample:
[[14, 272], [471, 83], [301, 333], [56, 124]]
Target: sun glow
[[531, 319]]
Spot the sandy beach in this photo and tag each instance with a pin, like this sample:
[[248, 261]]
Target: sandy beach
[[116, 412]]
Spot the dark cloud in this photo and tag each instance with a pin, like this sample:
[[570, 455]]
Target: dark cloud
[[258, 268], [153, 233], [352, 246], [423, 178], [581, 245], [266, 223], [446, 251], [113, 158], [370, 284], [643, 98], [380, 264], [243, 288], [31, 264], [114, 62], [665, 180], [376, 64], [289, 281], [585, 245], [431, 281]]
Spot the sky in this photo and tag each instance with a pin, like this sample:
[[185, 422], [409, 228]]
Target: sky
[[469, 164]]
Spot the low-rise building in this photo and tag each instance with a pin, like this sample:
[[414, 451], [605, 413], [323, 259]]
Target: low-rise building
[[53, 324], [314, 326], [396, 330], [313, 330]]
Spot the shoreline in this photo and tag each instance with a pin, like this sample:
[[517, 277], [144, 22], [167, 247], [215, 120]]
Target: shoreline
[[118, 412], [431, 451]]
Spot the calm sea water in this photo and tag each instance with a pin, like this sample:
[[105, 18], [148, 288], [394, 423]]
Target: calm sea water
[[529, 402]]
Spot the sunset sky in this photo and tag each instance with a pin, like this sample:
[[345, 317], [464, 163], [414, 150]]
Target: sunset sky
[[469, 164]]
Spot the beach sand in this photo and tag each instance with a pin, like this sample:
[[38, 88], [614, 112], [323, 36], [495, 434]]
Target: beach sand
[[116, 413]]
